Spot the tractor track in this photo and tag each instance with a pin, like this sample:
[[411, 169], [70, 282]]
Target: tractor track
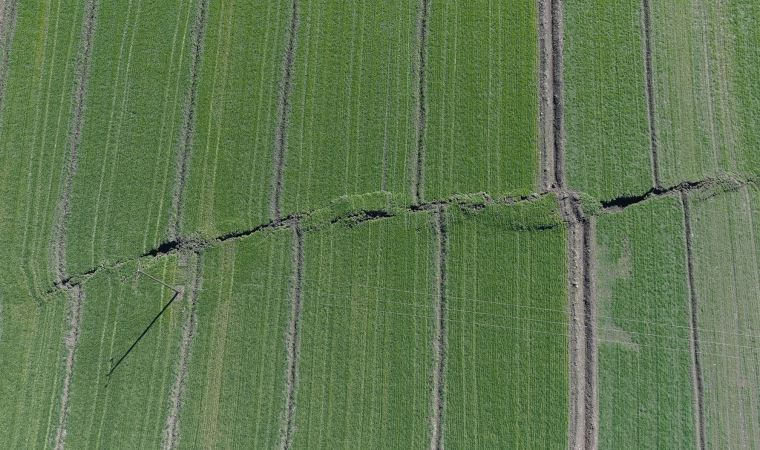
[[558, 86], [421, 63], [438, 397], [547, 176], [75, 304], [646, 28]]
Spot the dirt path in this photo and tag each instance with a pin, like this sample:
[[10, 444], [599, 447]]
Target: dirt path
[[283, 112], [418, 175], [696, 368], [188, 126], [547, 176], [76, 300], [646, 30], [292, 341], [176, 398], [591, 351], [438, 401], [558, 89]]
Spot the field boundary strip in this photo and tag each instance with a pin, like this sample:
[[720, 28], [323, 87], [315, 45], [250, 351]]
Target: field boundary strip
[[696, 367], [283, 113], [547, 176], [646, 30], [438, 392], [558, 87], [418, 172], [292, 341], [75, 305], [188, 127]]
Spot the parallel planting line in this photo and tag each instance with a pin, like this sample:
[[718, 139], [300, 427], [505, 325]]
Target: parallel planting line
[[283, 112], [696, 369], [75, 136], [188, 126], [171, 428], [558, 86], [439, 343], [646, 19], [418, 173], [546, 93], [76, 300], [292, 341], [8, 13]]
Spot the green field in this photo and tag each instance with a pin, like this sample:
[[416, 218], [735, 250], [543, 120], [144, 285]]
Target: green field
[[122, 190], [352, 128], [506, 358], [643, 323], [481, 99], [607, 139], [726, 240], [231, 168], [236, 376]]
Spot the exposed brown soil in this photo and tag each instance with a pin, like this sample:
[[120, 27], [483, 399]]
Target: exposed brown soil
[[438, 401], [418, 172], [546, 92], [696, 368], [558, 89], [646, 28], [172, 426], [75, 303], [283, 113], [292, 341], [188, 126]]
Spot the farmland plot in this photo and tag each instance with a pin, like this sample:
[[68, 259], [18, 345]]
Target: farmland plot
[[607, 139], [725, 235], [506, 307], [31, 349], [34, 130], [705, 59], [365, 357], [481, 97], [351, 129], [231, 163], [236, 385], [645, 356], [134, 111], [129, 408]]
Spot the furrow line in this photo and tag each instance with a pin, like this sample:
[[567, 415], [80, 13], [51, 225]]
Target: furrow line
[[8, 13], [75, 135], [292, 341], [591, 351], [283, 112], [188, 127], [176, 398], [646, 19], [696, 367], [438, 400], [546, 93], [418, 173], [558, 85], [75, 305]]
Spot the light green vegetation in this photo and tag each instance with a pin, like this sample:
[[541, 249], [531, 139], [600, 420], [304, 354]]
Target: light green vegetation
[[705, 58], [726, 240], [134, 111], [506, 306], [643, 328], [607, 141], [34, 130], [366, 357], [129, 408], [231, 161], [352, 124], [32, 356], [482, 98], [236, 386]]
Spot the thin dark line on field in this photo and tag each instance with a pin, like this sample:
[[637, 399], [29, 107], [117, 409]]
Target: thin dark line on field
[[694, 305], [545, 95], [558, 85], [292, 341], [438, 403], [7, 31], [283, 112], [589, 312], [418, 173], [77, 122], [649, 73], [187, 131], [176, 398], [75, 306]]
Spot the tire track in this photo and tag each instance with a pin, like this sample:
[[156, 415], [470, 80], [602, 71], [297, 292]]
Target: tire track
[[418, 173], [591, 350], [188, 127], [548, 179], [283, 111], [292, 341], [558, 86], [8, 14], [75, 135], [76, 300], [176, 398], [438, 402], [696, 369], [646, 24]]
